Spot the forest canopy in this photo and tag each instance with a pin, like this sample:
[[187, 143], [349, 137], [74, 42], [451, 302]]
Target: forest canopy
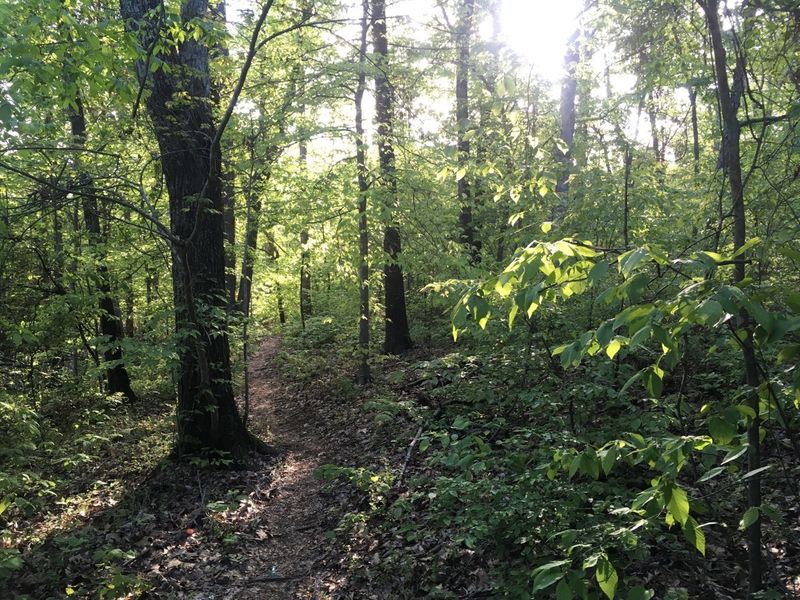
[[542, 259]]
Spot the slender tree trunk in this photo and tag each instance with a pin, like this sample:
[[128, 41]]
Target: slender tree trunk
[[253, 212], [229, 229], [306, 309], [305, 279], [218, 11], [305, 253], [651, 112], [626, 196], [178, 102], [569, 89], [397, 338], [465, 197], [110, 322], [130, 324], [253, 200], [695, 129], [363, 373], [732, 161], [271, 250], [281, 308]]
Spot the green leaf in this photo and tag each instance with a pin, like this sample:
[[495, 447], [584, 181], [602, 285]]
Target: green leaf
[[677, 503], [734, 454], [589, 465], [605, 332], [597, 273], [694, 535], [545, 579], [639, 593], [547, 226], [607, 577], [612, 348], [653, 383], [6, 113], [755, 472], [721, 430], [460, 423], [630, 260], [546, 575], [746, 246], [608, 459], [711, 474], [750, 516], [563, 591]]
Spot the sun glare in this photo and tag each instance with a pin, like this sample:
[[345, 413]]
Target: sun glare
[[538, 30]]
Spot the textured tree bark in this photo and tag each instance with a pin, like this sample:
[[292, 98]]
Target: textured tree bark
[[569, 90], [465, 199], [397, 338], [731, 130], [363, 372], [178, 102], [110, 323]]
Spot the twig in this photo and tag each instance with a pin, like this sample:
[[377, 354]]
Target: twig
[[399, 481], [276, 578]]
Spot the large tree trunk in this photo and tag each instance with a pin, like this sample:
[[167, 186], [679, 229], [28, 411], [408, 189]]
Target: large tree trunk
[[363, 373], [110, 321], [731, 130], [465, 198], [397, 338], [178, 102]]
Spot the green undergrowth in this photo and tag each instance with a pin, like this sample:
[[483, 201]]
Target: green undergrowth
[[531, 481], [62, 462]]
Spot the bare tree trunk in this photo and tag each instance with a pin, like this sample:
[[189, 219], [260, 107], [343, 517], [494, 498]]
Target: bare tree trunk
[[110, 322], [732, 160], [569, 89], [229, 229], [397, 338], [305, 279], [651, 112], [252, 218], [695, 129], [363, 373], [626, 196], [271, 250], [465, 197]]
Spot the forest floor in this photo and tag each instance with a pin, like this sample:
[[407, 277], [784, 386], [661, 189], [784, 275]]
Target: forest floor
[[297, 559], [132, 523], [121, 519]]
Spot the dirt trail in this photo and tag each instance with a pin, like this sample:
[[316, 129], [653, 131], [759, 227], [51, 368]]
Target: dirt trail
[[309, 433]]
